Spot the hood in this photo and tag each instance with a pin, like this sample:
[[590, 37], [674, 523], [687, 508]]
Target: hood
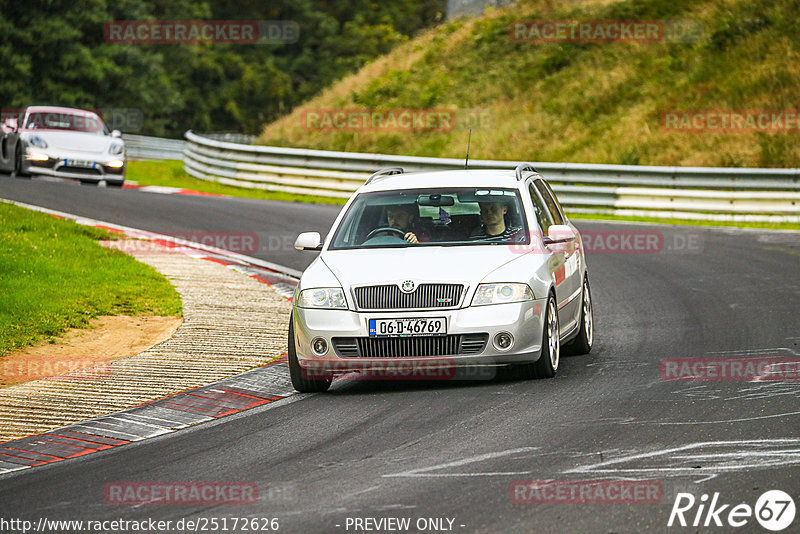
[[74, 141], [458, 264]]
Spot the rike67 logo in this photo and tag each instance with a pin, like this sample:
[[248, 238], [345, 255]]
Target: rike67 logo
[[774, 510]]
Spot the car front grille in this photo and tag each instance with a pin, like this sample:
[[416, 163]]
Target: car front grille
[[389, 297], [409, 347], [78, 170]]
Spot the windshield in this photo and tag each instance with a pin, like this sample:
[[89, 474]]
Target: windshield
[[454, 216], [54, 120]]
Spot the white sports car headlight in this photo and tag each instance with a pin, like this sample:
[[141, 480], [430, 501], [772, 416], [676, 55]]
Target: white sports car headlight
[[325, 297], [501, 294], [37, 141], [116, 148]]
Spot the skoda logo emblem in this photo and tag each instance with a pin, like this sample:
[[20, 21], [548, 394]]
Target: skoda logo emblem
[[408, 286]]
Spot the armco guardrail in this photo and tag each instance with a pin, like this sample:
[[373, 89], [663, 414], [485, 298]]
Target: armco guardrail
[[712, 193], [144, 147]]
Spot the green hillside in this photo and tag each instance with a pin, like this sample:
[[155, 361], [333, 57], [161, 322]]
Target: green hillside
[[595, 102]]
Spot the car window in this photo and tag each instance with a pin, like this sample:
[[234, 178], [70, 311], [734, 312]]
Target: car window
[[542, 214], [54, 120], [447, 216], [549, 199]]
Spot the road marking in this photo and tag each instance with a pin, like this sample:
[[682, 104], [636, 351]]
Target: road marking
[[765, 350], [718, 422], [746, 454], [425, 471]]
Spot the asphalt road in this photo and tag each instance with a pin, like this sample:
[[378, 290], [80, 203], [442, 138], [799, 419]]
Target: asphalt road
[[453, 450]]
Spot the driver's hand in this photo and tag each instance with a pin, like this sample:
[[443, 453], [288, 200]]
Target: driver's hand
[[411, 238]]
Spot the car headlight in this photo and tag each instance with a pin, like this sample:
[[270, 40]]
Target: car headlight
[[116, 148], [37, 141], [36, 156], [501, 294], [325, 297]]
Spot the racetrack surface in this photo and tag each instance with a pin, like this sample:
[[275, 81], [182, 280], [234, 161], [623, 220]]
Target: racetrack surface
[[451, 450]]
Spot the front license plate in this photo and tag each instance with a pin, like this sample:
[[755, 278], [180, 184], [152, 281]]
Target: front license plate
[[429, 326], [79, 163]]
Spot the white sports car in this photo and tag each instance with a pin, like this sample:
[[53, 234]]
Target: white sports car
[[441, 270], [62, 142]]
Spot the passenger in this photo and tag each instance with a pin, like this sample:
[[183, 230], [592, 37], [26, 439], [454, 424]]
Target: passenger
[[494, 224]]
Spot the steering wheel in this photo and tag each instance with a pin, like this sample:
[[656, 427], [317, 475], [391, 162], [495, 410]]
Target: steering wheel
[[386, 230]]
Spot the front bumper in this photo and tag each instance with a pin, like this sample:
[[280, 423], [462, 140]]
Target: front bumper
[[523, 320], [57, 167]]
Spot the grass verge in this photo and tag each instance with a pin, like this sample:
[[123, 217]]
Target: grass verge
[[54, 276], [592, 102], [170, 173]]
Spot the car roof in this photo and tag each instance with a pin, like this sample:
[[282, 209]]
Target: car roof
[[57, 109], [452, 178]]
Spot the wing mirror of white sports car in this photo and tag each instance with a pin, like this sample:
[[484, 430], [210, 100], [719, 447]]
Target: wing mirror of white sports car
[[308, 241], [559, 233], [116, 133], [11, 124]]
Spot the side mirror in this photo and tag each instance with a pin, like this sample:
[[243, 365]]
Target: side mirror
[[559, 233], [11, 123], [308, 241], [116, 133]]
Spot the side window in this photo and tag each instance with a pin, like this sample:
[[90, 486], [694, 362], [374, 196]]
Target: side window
[[549, 199], [542, 216]]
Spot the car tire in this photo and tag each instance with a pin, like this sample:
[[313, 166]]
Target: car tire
[[17, 172], [582, 344], [547, 364], [299, 382]]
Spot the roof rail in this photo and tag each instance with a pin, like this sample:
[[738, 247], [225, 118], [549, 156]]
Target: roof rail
[[524, 167], [384, 172]]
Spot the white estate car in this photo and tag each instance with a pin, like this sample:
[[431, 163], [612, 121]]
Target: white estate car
[[451, 269]]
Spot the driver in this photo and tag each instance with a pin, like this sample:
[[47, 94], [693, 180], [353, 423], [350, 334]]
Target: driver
[[402, 217]]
